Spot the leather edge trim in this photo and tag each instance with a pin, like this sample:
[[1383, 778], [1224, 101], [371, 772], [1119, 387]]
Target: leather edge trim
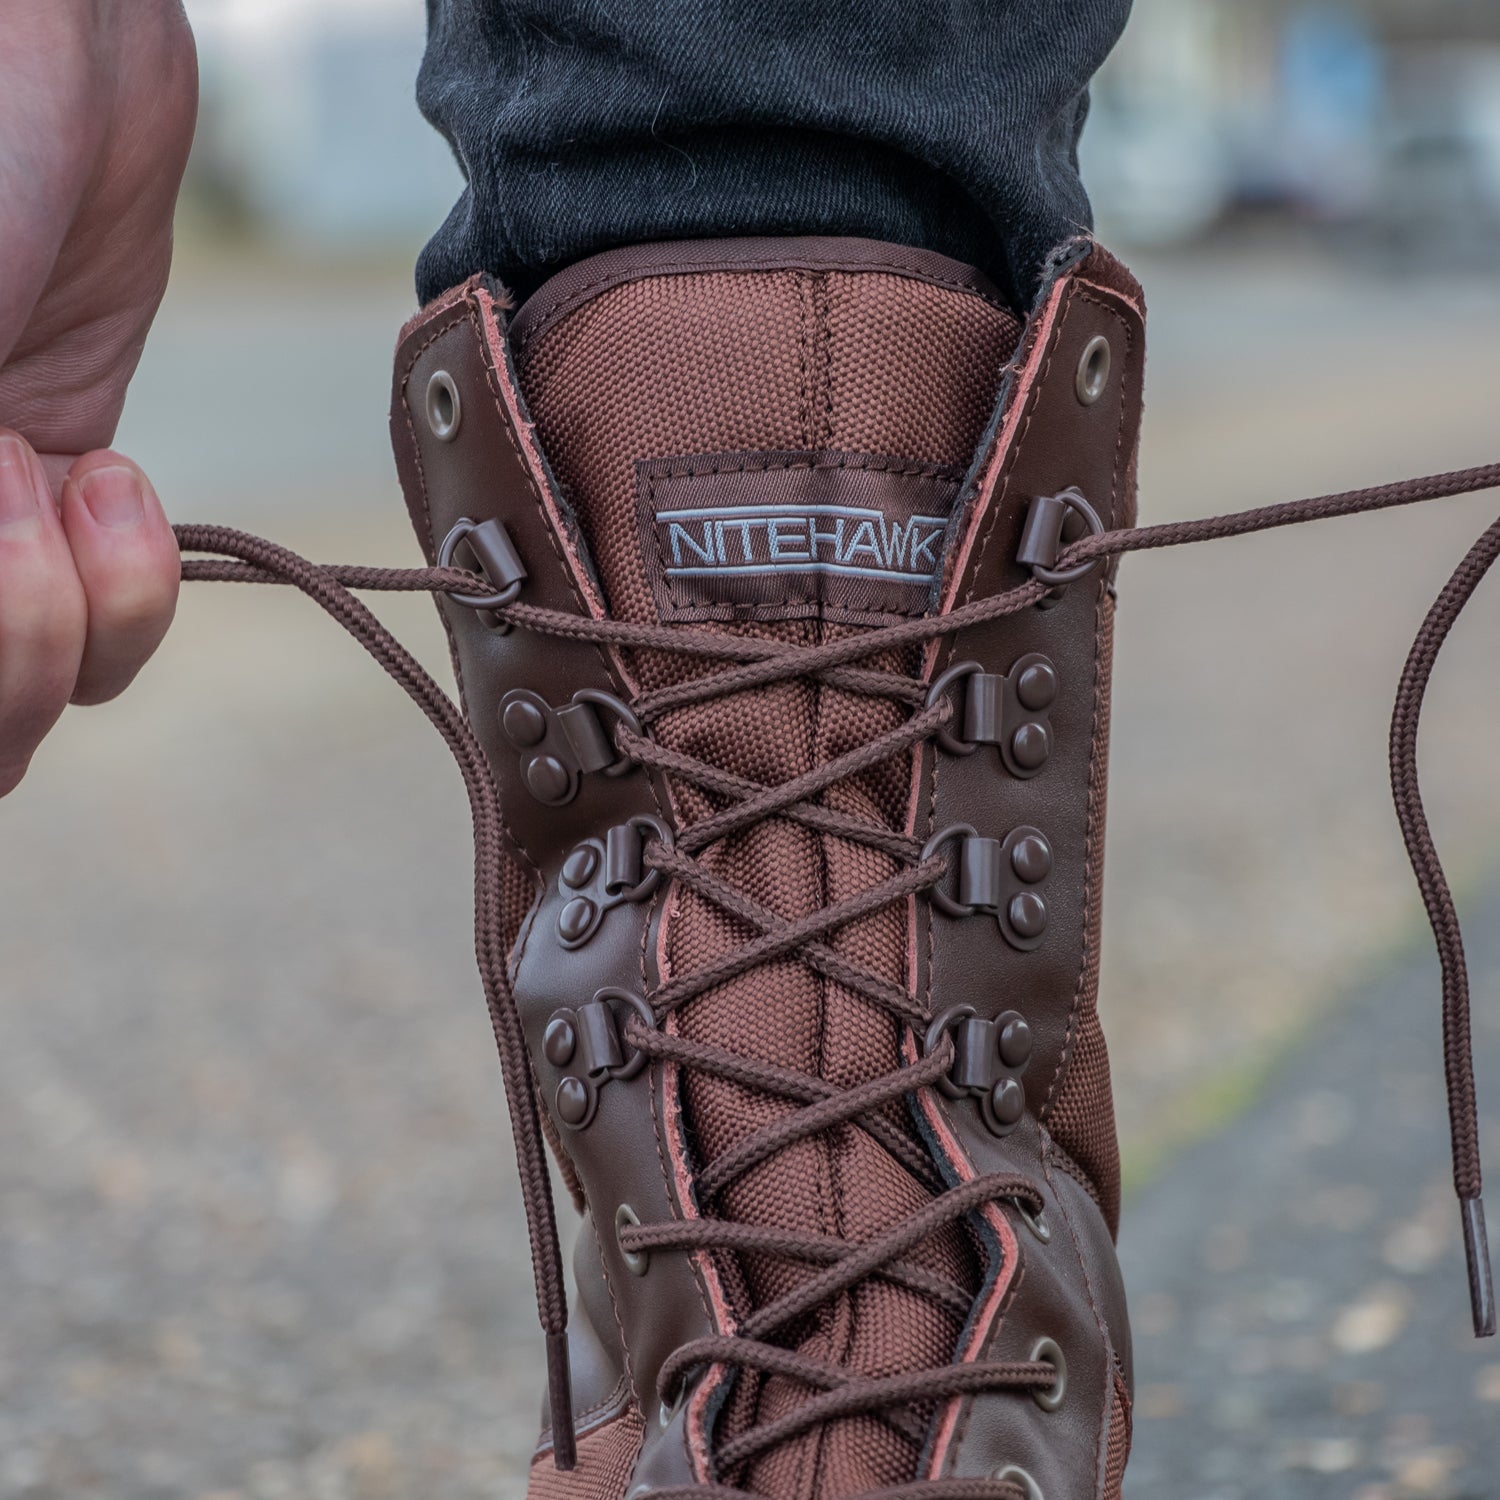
[[590, 278], [615, 1405]]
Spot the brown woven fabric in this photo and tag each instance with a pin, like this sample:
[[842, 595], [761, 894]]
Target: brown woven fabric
[[1117, 1447], [864, 361], [606, 1457]]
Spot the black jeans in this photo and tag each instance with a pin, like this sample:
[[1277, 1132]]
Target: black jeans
[[583, 124]]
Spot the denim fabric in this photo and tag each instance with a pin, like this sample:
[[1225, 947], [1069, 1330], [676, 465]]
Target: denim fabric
[[584, 124]]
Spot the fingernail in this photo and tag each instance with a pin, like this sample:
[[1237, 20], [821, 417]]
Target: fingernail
[[113, 496], [18, 496]]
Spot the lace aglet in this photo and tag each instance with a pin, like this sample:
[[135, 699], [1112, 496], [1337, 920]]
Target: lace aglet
[[560, 1400], [1481, 1277]]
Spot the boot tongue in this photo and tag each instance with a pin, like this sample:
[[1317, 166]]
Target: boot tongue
[[768, 438]]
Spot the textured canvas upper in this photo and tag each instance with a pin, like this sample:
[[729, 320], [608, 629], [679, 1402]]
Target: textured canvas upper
[[894, 373]]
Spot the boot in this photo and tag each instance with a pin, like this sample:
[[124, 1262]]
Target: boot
[[802, 855]]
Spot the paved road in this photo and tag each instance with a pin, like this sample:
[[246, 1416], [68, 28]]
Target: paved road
[[1298, 1281]]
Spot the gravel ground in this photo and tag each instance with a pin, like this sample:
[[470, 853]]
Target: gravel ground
[[258, 1234]]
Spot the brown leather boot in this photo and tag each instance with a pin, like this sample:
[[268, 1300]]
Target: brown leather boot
[[805, 845]]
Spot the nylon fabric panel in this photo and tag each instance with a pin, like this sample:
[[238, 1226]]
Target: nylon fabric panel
[[606, 1457], [1117, 1446], [683, 364]]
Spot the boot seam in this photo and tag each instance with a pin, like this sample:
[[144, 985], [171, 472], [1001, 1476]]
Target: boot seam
[[1088, 1284], [456, 321], [1097, 761], [534, 325]]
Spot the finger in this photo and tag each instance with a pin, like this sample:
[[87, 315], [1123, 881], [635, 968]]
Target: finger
[[127, 560], [42, 610]]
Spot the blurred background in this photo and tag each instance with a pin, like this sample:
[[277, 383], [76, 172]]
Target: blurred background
[[259, 1238]]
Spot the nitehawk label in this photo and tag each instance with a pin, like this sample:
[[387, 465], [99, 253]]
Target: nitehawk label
[[779, 536]]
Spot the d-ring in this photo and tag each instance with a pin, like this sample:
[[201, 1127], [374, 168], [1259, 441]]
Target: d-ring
[[451, 543], [622, 711], [936, 894], [943, 1023], [945, 736], [637, 1060], [646, 823], [1075, 501]]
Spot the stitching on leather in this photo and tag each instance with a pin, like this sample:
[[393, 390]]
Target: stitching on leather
[[669, 909], [1093, 830], [618, 1392], [614, 1308], [1088, 1286], [1016, 448], [1090, 876], [411, 429], [492, 380], [416, 451], [536, 495], [658, 1088], [1067, 1164], [528, 923], [618, 1397], [966, 1412]]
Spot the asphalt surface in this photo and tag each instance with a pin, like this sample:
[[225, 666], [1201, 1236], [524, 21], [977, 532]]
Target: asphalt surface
[[1298, 1287]]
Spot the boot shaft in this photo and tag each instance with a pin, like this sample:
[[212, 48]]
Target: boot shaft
[[802, 443]]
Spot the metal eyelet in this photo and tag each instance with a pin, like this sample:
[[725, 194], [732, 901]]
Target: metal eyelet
[[637, 1262], [444, 406], [669, 1409], [622, 711], [945, 736], [1035, 1222], [1047, 1352], [1014, 1474], [936, 894], [1093, 370], [463, 528]]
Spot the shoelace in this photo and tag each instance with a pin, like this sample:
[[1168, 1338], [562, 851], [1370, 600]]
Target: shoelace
[[237, 557]]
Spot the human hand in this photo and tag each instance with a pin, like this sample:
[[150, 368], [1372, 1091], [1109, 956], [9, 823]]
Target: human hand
[[97, 104]]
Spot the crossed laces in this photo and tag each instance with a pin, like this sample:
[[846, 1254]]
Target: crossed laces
[[233, 556]]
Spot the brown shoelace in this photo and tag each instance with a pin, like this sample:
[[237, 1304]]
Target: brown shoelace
[[838, 1265]]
